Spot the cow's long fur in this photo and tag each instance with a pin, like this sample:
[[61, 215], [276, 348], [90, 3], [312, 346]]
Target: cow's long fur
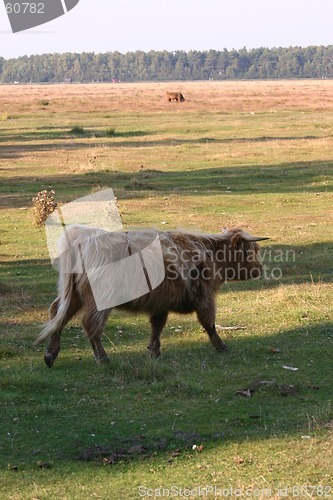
[[190, 282], [175, 96]]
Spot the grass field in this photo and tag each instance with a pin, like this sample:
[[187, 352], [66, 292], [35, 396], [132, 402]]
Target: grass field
[[254, 154]]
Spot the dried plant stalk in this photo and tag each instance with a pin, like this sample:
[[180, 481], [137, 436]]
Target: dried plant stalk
[[44, 205]]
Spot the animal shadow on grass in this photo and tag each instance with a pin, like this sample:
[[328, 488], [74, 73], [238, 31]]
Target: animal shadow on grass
[[190, 374], [246, 179], [141, 408]]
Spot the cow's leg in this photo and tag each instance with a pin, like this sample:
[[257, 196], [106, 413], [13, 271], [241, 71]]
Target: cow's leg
[[93, 322], [206, 311], [157, 324], [53, 347]]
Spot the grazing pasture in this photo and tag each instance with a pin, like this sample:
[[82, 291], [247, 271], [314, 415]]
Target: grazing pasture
[[257, 155]]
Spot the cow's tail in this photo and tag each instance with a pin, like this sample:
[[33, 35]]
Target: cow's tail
[[65, 287], [56, 323]]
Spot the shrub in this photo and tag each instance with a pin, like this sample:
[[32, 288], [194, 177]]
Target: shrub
[[77, 130], [44, 205], [110, 132], [42, 102]]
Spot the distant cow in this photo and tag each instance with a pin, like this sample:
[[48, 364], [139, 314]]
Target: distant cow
[[175, 96], [195, 268]]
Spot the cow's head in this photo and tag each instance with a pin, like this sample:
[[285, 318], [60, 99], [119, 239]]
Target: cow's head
[[243, 260]]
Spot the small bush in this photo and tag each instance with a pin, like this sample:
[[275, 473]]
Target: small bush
[[110, 132], [44, 205], [4, 117], [77, 130], [42, 102]]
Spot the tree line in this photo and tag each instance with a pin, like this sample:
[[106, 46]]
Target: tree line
[[262, 63]]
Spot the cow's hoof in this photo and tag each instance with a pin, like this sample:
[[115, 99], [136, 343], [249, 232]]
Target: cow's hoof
[[154, 352], [102, 361], [220, 346], [49, 359]]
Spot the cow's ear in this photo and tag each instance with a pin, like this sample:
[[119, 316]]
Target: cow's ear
[[237, 241]]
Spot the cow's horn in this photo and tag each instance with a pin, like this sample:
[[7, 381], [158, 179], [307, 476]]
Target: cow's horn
[[256, 238]]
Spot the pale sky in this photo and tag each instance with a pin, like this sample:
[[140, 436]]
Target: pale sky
[[129, 25]]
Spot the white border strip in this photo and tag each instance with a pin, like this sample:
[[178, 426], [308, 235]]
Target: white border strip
[[64, 5]]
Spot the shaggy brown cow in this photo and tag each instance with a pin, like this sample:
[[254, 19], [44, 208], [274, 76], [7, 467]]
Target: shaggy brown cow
[[175, 96], [195, 268]]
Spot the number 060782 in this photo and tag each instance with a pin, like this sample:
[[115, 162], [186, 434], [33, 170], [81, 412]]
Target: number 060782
[[25, 8]]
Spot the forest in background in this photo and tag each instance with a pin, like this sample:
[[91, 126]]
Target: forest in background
[[261, 63]]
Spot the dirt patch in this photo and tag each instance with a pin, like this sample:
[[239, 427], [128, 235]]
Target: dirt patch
[[140, 446]]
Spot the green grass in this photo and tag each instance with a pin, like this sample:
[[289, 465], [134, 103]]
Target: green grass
[[82, 430], [110, 132], [77, 130]]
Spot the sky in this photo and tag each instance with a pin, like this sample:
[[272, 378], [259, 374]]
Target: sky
[[129, 25]]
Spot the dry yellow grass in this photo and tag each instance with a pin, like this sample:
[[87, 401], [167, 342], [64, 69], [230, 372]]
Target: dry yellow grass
[[200, 96]]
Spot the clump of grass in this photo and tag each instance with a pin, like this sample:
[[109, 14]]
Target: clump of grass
[[44, 204], [110, 132], [77, 130], [6, 353], [4, 117], [43, 102], [4, 288]]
